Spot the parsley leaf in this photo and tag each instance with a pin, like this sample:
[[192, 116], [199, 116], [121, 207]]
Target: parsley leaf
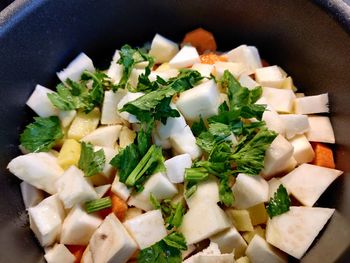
[[91, 162], [198, 127], [225, 192], [42, 134], [280, 202]]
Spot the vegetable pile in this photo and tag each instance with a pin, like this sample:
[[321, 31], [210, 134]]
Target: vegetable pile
[[176, 155]]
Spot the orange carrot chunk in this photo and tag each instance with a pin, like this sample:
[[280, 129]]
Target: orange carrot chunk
[[323, 155], [77, 251], [201, 39], [119, 207], [211, 58]]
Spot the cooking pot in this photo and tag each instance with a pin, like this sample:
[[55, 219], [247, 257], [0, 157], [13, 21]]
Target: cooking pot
[[310, 40]]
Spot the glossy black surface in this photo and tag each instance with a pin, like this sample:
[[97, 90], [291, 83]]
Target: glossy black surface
[[37, 38]]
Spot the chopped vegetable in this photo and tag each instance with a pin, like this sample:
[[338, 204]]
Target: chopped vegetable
[[77, 251], [280, 202], [202, 39], [119, 206], [323, 155], [97, 205], [211, 58], [91, 162]]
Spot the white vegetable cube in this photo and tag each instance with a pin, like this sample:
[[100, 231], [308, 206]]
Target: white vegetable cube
[[109, 113], [132, 212], [274, 183], [165, 74], [185, 142], [312, 104], [164, 143], [271, 117], [73, 188], [115, 70], [295, 124], [66, 117], [293, 232], [102, 190], [282, 100], [223, 258], [204, 69], [230, 240], [163, 49], [111, 242], [104, 136], [197, 227], [46, 220], [186, 57], [236, 69], [259, 251], [58, 254], [134, 76], [202, 100], [321, 130], [120, 189], [248, 82], [307, 182], [40, 103], [270, 76], [276, 155], [212, 250], [74, 70], [126, 137], [159, 185], [106, 176], [147, 228], [249, 191], [172, 126], [38, 169], [31, 195], [130, 96], [302, 149], [207, 192], [247, 55], [175, 167]]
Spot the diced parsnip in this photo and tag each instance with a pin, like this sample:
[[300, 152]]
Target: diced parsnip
[[40, 103], [282, 100], [172, 126], [200, 38], [164, 143], [67, 117], [166, 74], [248, 82], [69, 154], [38, 169], [102, 190], [308, 182], [104, 136], [274, 183], [128, 97], [271, 76], [240, 219], [163, 49], [79, 226], [120, 189], [259, 251], [126, 137], [115, 70], [243, 260], [163, 67], [46, 220], [320, 130], [31, 195], [132, 212], [134, 77], [75, 68], [300, 95], [247, 55], [205, 69], [312, 104], [106, 176], [293, 232], [111, 242], [288, 84], [258, 214], [58, 254], [223, 258], [258, 230], [73, 188], [83, 124], [236, 69], [202, 100], [109, 113], [185, 142], [212, 249], [175, 167], [249, 191], [230, 240], [186, 57], [207, 192], [295, 124], [119, 207], [271, 117], [323, 155], [302, 149], [196, 227], [147, 228], [159, 185], [276, 156]]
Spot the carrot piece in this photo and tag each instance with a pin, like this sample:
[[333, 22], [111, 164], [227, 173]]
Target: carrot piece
[[202, 39], [105, 212], [119, 206], [211, 58], [77, 251], [323, 155]]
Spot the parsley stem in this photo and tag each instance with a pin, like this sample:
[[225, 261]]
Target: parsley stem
[[99, 204]]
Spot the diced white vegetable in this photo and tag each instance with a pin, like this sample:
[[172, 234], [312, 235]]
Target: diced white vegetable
[[186, 57], [224, 258], [236, 69], [58, 254], [307, 182], [207, 192], [300, 95], [270, 76], [312, 104], [274, 183], [74, 70], [104, 136], [132, 212], [130, 96], [147, 228], [109, 108], [162, 49], [175, 167], [185, 142], [164, 143], [259, 251], [67, 117], [126, 137], [102, 190], [230, 240], [40, 103], [249, 191], [38, 169], [282, 100], [204, 69], [79, 226], [166, 74], [212, 249], [159, 185], [115, 70], [110, 242], [202, 100], [31, 195], [302, 149], [120, 189], [46, 220], [294, 231], [106, 176], [247, 82], [243, 260], [247, 55], [172, 126], [73, 188], [276, 155], [271, 117], [295, 124], [197, 227], [134, 76], [320, 130]]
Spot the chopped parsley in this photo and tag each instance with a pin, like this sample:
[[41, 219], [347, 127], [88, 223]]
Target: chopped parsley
[[91, 162], [280, 202]]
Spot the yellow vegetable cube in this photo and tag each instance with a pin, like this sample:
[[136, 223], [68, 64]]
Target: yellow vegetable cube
[[288, 84], [126, 137], [240, 219], [83, 124], [163, 67], [258, 230], [258, 214], [69, 153], [243, 260]]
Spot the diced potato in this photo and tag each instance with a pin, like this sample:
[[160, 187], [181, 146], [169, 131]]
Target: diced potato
[[75, 68], [132, 212], [243, 260], [163, 49], [240, 219], [258, 214], [58, 254], [83, 124], [270, 76], [282, 100], [258, 230], [128, 97], [185, 142], [186, 57], [163, 67], [247, 55], [104, 136], [69, 154], [312, 104], [126, 137], [31, 195], [109, 113], [236, 69], [67, 117], [207, 191], [302, 149], [175, 167], [295, 124], [320, 130], [288, 84], [40, 103]]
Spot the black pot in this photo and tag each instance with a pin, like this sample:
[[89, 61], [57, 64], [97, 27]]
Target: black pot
[[38, 38]]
